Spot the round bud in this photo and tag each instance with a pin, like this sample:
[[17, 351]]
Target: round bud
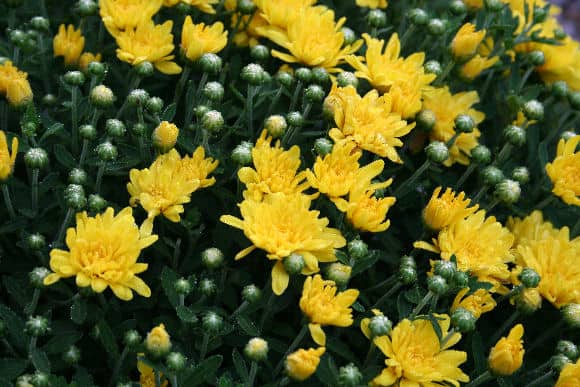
[[568, 349], [36, 158], [492, 175], [377, 18], [40, 23], [426, 120], [533, 110], [560, 34], [560, 89], [259, 52], [212, 121], [346, 78], [74, 78], [314, 93], [437, 152], [137, 97], [76, 200], [207, 287], [200, 110], [436, 27], [101, 97], [37, 275], [242, 153], [457, 7], [481, 154], [256, 349], [276, 125], [418, 17], [145, 69], [571, 314], [349, 376], [540, 15], [407, 275], [323, 146], [212, 258], [164, 136], [437, 285], [17, 37], [88, 132], [493, 5], [29, 44], [567, 135], [154, 105], [253, 74], [24, 381], [74, 189], [37, 326], [49, 100], [96, 69], [357, 249], [295, 119], [529, 277], [407, 260], [303, 74], [460, 279], [574, 99], [183, 286], [87, 7], [380, 326], [339, 273], [212, 322], [36, 241], [72, 355], [214, 91], [158, 342], [536, 58], [251, 293], [515, 135], [528, 300], [445, 269], [285, 78], [176, 361], [115, 127], [464, 123], [29, 128], [320, 75], [246, 7], [294, 263], [210, 63], [559, 361], [107, 151], [183, 8], [41, 379], [77, 176], [433, 67], [521, 175], [508, 191], [463, 320], [97, 203]]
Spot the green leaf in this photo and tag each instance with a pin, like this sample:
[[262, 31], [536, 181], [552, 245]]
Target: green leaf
[[61, 343], [40, 361], [12, 368], [185, 314], [17, 289], [478, 352], [358, 307], [240, 365], [248, 326], [327, 371], [168, 279], [169, 112], [54, 129], [107, 338], [14, 326], [364, 264], [204, 371], [78, 311], [64, 157], [225, 381]]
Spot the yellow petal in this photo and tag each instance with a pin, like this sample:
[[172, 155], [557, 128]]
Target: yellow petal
[[317, 334], [280, 278]]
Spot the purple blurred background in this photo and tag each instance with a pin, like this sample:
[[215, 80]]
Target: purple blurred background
[[570, 16]]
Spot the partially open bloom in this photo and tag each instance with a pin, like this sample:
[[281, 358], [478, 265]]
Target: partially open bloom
[[199, 39], [205, 6], [7, 157], [507, 355], [323, 306], [147, 376], [441, 211], [373, 4], [569, 376], [415, 357], [564, 171], [165, 136], [476, 66], [68, 43], [86, 59], [14, 84], [281, 225], [197, 167], [103, 252], [124, 14], [478, 302], [466, 41], [301, 364], [148, 42], [158, 341]]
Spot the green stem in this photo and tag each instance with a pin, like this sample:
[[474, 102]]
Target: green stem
[[402, 188], [465, 175], [83, 152], [250, 108], [295, 96], [388, 294], [60, 235], [370, 354], [445, 72], [291, 348], [200, 87], [274, 100], [74, 119], [32, 345], [503, 153], [542, 379], [483, 378], [9, 348], [388, 281], [240, 309], [45, 74], [525, 78], [204, 345], [117, 368], [507, 323], [8, 201], [546, 202], [100, 173], [157, 378], [479, 194], [266, 313], [174, 381], [30, 308], [407, 34], [132, 86], [447, 337], [511, 293], [421, 305], [253, 372], [35, 174], [181, 84], [557, 327]]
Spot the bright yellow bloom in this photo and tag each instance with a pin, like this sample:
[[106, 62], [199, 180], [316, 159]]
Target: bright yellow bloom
[[561, 63], [86, 59], [476, 66], [147, 376], [532, 227], [126, 14], [466, 41], [447, 107], [569, 375], [205, 6], [441, 211], [313, 38], [14, 84], [198, 167], [481, 245], [302, 364], [415, 356], [275, 170], [507, 355], [564, 171], [68, 43], [278, 13], [323, 306], [7, 157], [403, 78], [249, 36], [281, 225], [474, 4], [368, 121], [158, 341], [165, 136], [148, 42], [364, 324], [103, 252], [478, 302], [373, 4], [199, 39]]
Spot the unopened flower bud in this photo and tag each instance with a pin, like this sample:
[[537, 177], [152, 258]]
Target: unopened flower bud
[[256, 349], [574, 99], [508, 191], [164, 136], [377, 18], [463, 320], [207, 287], [17, 36], [536, 58], [560, 34], [253, 74], [464, 123], [533, 110], [158, 342], [528, 300], [481, 154], [107, 151], [77, 176], [339, 273], [154, 105], [437, 152], [426, 120], [115, 127], [210, 63], [88, 132], [493, 5], [571, 314], [96, 69], [214, 91], [568, 349], [24, 381], [49, 100], [540, 15], [303, 74], [314, 93], [251, 293], [86, 7], [418, 17], [36, 158], [349, 376], [407, 274], [348, 34], [212, 322], [294, 263], [285, 78], [183, 8], [132, 338], [76, 200], [436, 27], [322, 146], [40, 23], [36, 241], [295, 119], [138, 129], [276, 125], [97, 203], [137, 97], [460, 279], [212, 258], [212, 121], [320, 75], [492, 175], [357, 249], [102, 97], [41, 379], [242, 153], [567, 135], [176, 361], [145, 69], [515, 135], [560, 89], [72, 355], [445, 269], [433, 67], [246, 7], [437, 285], [407, 260], [74, 78], [37, 326], [559, 361], [346, 78], [380, 326], [259, 52], [457, 7], [37, 275], [183, 286], [529, 277]]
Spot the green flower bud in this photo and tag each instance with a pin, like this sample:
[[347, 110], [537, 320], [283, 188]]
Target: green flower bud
[[492, 175], [24, 381], [295, 119], [77, 176], [436, 27], [253, 74], [212, 258], [357, 249], [207, 287], [97, 203], [37, 326], [101, 97], [294, 263], [407, 275], [107, 151], [154, 105], [145, 69], [314, 93], [29, 128], [533, 110], [40, 24], [349, 376], [88, 132], [426, 120], [212, 322], [41, 379], [568, 349], [76, 200], [437, 152], [212, 121], [339, 273], [574, 99], [380, 326], [137, 97], [457, 7], [464, 123], [49, 100], [418, 17], [346, 78], [285, 78], [256, 349], [86, 8], [246, 7], [460, 279], [36, 276], [183, 286], [320, 75], [115, 127], [528, 300], [128, 384], [437, 285], [176, 361], [377, 18], [567, 135], [540, 15], [521, 175], [97, 69], [560, 34], [251, 293], [348, 34], [29, 45], [17, 37], [445, 269], [276, 125], [36, 241], [536, 58], [529, 277], [74, 78], [508, 191], [493, 5], [183, 8], [407, 260], [560, 89], [515, 135], [210, 63], [571, 314], [259, 52], [242, 153], [463, 320], [304, 74], [214, 91], [74, 189], [322, 146], [200, 111], [559, 361], [481, 154], [72, 355], [36, 158]]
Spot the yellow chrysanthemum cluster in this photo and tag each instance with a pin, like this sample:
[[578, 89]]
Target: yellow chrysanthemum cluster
[[70, 43], [564, 171], [14, 84]]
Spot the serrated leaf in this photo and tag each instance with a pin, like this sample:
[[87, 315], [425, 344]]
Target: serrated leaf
[[204, 371], [78, 310], [169, 112], [185, 314], [40, 361], [240, 365], [168, 279], [14, 327], [12, 368], [64, 157], [61, 343], [107, 338], [248, 326]]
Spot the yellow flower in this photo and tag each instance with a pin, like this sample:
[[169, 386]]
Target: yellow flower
[[474, 4], [561, 63], [7, 157], [532, 227], [275, 170], [478, 302], [404, 78], [441, 211], [158, 341], [302, 364], [373, 4], [165, 136], [147, 376], [14, 84], [481, 245], [507, 355], [312, 38], [323, 306], [447, 107], [199, 39], [277, 13], [103, 252], [198, 167], [281, 225], [148, 42], [569, 376], [476, 66], [364, 324], [68, 43], [86, 59], [368, 121], [250, 35], [466, 41], [205, 6], [564, 171], [126, 14], [415, 356]]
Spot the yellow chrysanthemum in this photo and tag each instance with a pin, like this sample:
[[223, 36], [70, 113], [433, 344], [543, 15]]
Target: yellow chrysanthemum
[[125, 14], [68, 43], [248, 36], [205, 6], [441, 211], [481, 245], [373, 4], [86, 59], [415, 356], [148, 42], [158, 341], [147, 376], [476, 66], [447, 107], [14, 84], [197, 167], [323, 306], [275, 170], [466, 41], [281, 225], [368, 121], [507, 355], [532, 227], [404, 78], [364, 324], [313, 38], [164, 136], [7, 157], [302, 364], [278, 13], [478, 302], [569, 375], [103, 252], [199, 39], [564, 171]]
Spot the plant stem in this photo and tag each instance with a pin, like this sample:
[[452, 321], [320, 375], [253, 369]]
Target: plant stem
[[479, 194], [83, 152], [421, 305], [546, 335], [445, 72], [402, 188], [253, 372], [465, 175], [74, 119], [157, 378], [291, 348], [509, 322], [295, 96], [503, 153], [240, 308], [30, 308], [181, 84], [45, 75], [204, 345], [389, 293], [484, 377], [35, 174], [174, 381], [8, 201], [546, 202], [118, 366], [31, 345], [100, 173], [250, 108], [63, 226], [540, 381]]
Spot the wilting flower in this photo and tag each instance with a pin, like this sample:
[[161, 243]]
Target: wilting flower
[[205, 6], [158, 341], [478, 302], [301, 364], [507, 355], [415, 356], [68, 43], [323, 306], [86, 59], [569, 375], [165, 136], [564, 171], [147, 376], [373, 4], [148, 42], [14, 84], [199, 39], [441, 211], [125, 14], [103, 252], [7, 158], [282, 225], [466, 41]]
